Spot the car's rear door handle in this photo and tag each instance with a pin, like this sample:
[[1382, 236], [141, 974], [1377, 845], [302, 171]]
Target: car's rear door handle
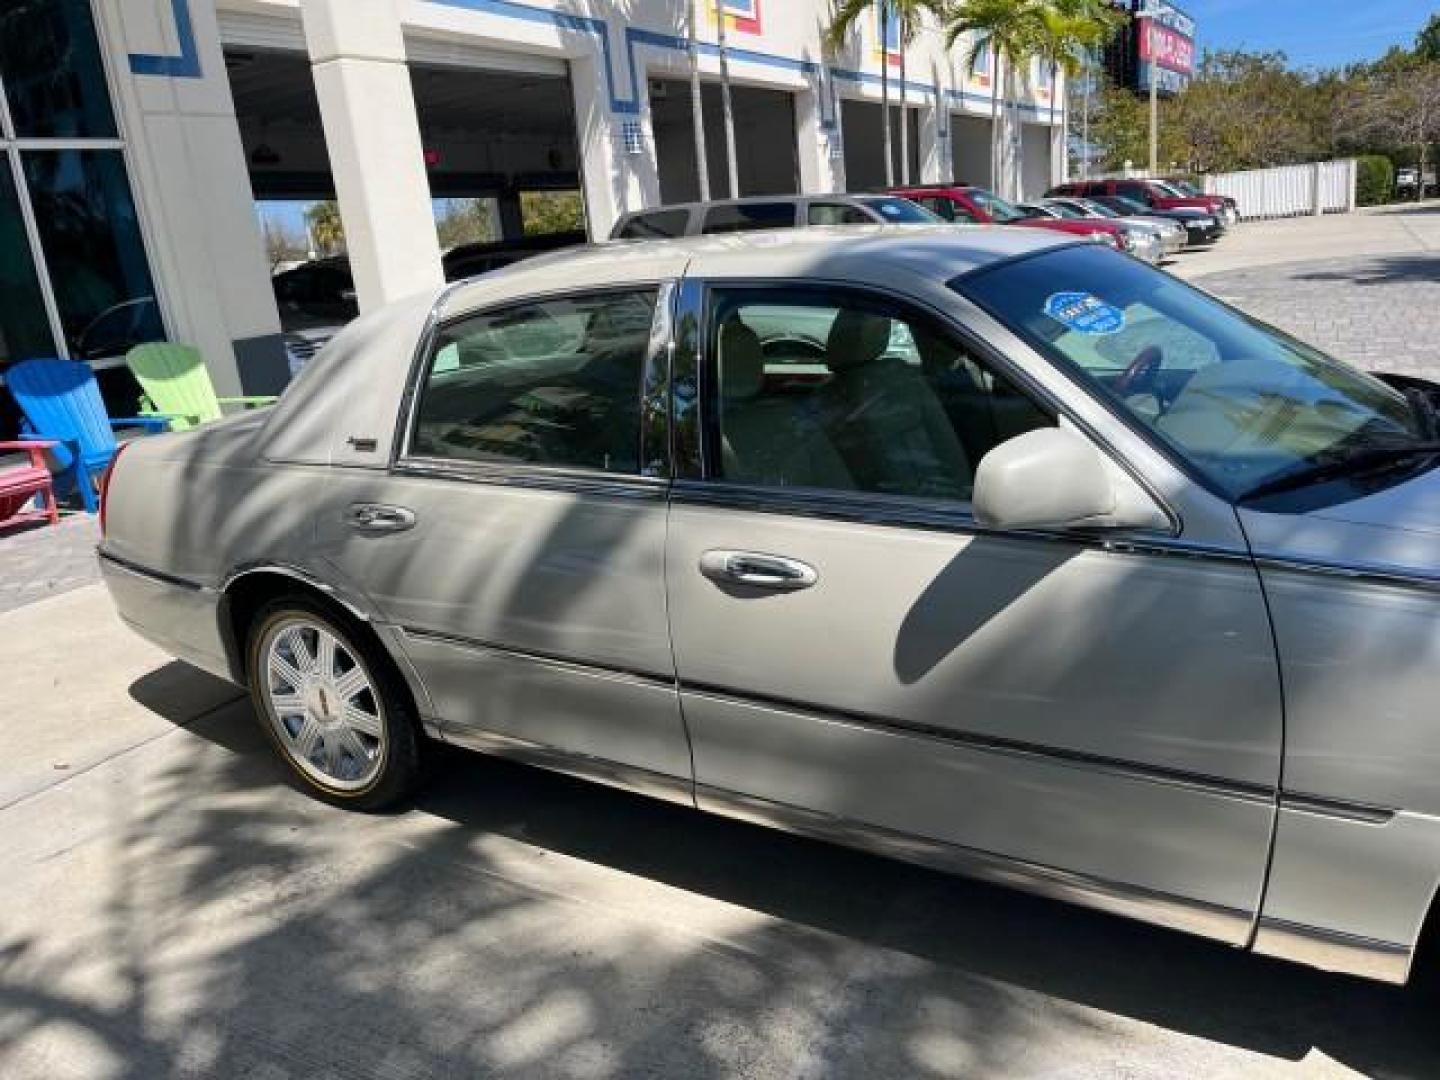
[[379, 518], [757, 570]]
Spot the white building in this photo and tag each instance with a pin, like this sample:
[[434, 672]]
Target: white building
[[141, 134]]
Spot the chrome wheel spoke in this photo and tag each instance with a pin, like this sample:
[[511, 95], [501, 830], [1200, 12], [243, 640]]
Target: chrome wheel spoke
[[352, 744], [350, 684], [325, 656], [300, 650], [357, 719], [286, 672], [307, 738], [288, 704]]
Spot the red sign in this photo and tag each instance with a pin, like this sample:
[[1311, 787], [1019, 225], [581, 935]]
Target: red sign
[[1167, 48]]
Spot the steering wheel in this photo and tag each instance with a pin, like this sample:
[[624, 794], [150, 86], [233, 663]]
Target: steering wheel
[[1141, 372]]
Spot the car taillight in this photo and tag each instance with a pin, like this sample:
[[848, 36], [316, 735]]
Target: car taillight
[[105, 483]]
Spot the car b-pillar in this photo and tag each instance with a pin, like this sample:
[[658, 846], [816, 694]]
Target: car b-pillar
[[367, 106]]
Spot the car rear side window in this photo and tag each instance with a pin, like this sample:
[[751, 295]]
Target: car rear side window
[[742, 217], [837, 214], [661, 225], [550, 382]]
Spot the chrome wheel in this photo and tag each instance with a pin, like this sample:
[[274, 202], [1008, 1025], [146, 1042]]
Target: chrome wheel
[[322, 703]]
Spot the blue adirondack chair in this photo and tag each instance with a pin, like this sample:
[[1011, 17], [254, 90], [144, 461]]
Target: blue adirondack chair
[[60, 400]]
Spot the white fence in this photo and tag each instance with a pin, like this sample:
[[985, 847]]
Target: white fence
[[1326, 187]]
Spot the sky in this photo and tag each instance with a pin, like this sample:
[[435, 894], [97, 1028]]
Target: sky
[[1313, 33]]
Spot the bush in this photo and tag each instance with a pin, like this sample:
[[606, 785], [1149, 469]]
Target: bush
[[1374, 179]]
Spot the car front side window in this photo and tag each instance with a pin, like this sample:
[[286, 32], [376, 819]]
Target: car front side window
[[851, 393], [550, 382]]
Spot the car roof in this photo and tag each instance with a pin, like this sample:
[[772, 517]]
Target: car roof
[[862, 253]]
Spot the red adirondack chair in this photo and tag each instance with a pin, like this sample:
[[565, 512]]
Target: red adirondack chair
[[20, 484]]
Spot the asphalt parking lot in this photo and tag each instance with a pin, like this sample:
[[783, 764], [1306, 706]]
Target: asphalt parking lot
[[171, 907]]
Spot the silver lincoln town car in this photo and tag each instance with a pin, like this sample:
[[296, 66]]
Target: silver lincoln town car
[[978, 547]]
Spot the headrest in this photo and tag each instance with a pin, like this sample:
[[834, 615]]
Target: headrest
[[856, 338], [742, 361]]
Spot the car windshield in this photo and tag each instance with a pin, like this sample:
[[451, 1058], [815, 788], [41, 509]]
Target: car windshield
[[995, 206], [1064, 210], [1244, 404], [1170, 189], [1126, 205], [902, 211], [1101, 209], [1185, 187]]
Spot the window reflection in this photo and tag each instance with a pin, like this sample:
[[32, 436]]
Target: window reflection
[[93, 248], [54, 77], [24, 330]]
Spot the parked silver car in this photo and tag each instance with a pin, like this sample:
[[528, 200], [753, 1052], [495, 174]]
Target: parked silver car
[[984, 548], [1172, 234]]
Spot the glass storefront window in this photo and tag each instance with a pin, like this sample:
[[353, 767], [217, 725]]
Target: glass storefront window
[[24, 329], [54, 76], [93, 249]]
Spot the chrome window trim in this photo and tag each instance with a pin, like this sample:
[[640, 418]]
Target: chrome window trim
[[534, 477], [1358, 573], [934, 515]]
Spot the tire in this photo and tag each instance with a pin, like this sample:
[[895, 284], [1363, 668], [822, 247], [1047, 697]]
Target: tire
[[349, 734]]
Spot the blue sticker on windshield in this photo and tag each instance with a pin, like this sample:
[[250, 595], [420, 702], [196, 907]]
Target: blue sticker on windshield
[[1085, 313]]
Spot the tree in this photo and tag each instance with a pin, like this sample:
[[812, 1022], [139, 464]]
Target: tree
[[326, 229], [465, 221], [1012, 32], [910, 14], [1427, 42], [731, 165], [847, 14], [1397, 105], [1073, 30], [552, 212]]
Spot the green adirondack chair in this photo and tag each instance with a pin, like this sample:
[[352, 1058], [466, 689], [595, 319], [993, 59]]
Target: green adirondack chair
[[177, 385]]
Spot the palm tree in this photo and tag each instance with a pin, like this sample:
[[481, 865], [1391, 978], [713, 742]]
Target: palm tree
[[697, 107], [847, 14], [731, 165], [910, 13], [1073, 30], [1011, 31]]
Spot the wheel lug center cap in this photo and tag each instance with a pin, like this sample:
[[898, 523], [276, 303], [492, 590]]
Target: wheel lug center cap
[[322, 703]]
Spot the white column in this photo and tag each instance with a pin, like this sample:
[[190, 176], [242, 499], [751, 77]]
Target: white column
[[616, 179], [817, 130], [934, 151], [192, 194], [367, 106]]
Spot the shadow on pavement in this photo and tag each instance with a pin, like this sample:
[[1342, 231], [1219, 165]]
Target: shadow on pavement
[[1381, 270], [423, 952]]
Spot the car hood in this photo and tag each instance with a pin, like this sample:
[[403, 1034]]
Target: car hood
[[1392, 531]]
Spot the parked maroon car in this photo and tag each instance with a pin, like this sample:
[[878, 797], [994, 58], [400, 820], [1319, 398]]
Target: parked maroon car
[[1152, 193], [961, 202]]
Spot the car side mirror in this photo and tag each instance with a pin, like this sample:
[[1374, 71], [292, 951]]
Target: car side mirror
[[1055, 478]]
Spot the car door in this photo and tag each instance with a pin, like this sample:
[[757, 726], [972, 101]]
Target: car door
[[1096, 716], [517, 541]]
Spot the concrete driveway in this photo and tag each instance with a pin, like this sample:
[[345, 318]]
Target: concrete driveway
[[169, 906]]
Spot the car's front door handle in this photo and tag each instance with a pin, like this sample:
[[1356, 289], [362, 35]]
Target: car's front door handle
[[757, 570], [379, 518]]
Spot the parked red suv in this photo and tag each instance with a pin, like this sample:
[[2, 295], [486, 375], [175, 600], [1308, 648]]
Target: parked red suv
[[961, 202], [1154, 193]]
